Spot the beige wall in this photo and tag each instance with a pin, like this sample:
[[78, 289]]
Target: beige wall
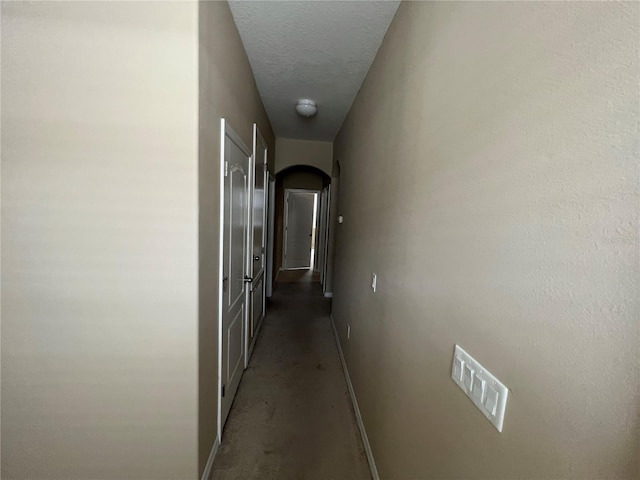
[[489, 176], [227, 89], [110, 181], [303, 180], [290, 152], [99, 247]]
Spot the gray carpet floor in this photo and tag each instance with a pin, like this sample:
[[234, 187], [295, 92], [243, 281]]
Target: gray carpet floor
[[292, 418]]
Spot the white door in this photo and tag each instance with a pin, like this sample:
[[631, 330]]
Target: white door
[[257, 301], [236, 165], [298, 229]]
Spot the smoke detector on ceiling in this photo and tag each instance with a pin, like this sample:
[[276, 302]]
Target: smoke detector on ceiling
[[306, 107]]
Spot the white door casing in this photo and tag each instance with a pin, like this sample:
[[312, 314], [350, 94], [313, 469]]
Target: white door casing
[[236, 164], [258, 234], [298, 228]]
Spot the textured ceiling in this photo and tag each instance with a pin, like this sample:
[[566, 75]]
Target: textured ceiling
[[310, 49]]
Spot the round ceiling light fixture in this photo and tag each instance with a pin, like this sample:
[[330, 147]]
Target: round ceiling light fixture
[[306, 107]]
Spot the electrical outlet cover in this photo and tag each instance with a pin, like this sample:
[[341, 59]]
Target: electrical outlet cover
[[486, 392]]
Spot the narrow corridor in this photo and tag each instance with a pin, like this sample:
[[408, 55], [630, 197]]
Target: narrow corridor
[[292, 417]]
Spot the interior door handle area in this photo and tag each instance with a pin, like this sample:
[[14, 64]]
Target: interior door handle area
[[256, 258], [248, 279]]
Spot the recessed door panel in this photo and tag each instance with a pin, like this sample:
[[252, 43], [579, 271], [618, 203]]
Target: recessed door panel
[[237, 233], [236, 346], [258, 218]]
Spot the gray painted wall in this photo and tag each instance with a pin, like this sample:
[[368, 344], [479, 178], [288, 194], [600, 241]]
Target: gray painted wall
[[489, 176]]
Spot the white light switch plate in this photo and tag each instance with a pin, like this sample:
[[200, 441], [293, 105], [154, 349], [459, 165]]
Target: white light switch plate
[[374, 282], [486, 392]]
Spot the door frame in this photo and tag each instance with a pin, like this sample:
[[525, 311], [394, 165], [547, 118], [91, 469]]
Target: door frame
[[226, 131], [286, 222]]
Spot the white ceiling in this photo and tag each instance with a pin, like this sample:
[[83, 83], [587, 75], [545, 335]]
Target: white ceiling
[[320, 50]]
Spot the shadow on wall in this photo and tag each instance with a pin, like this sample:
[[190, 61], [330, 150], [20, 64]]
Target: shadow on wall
[[299, 176]]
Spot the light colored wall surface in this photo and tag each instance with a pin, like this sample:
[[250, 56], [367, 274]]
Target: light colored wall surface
[[290, 152], [99, 247], [490, 178], [303, 180], [227, 89]]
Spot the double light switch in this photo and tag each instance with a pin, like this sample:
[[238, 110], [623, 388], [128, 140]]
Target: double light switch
[[485, 391]]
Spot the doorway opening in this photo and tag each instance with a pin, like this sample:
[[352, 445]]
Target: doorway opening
[[301, 224], [300, 229]]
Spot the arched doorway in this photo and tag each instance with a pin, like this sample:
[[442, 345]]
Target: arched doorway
[[306, 189]]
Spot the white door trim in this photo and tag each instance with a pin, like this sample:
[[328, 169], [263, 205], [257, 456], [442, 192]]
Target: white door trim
[[286, 222], [206, 473], [223, 129]]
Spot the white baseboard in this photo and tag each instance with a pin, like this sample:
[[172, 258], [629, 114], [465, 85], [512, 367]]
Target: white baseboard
[[207, 468], [352, 393], [328, 294]]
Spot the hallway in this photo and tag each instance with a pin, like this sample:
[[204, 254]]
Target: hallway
[[292, 417], [474, 170]]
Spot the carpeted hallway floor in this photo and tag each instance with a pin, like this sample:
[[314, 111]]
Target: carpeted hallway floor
[[292, 418]]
